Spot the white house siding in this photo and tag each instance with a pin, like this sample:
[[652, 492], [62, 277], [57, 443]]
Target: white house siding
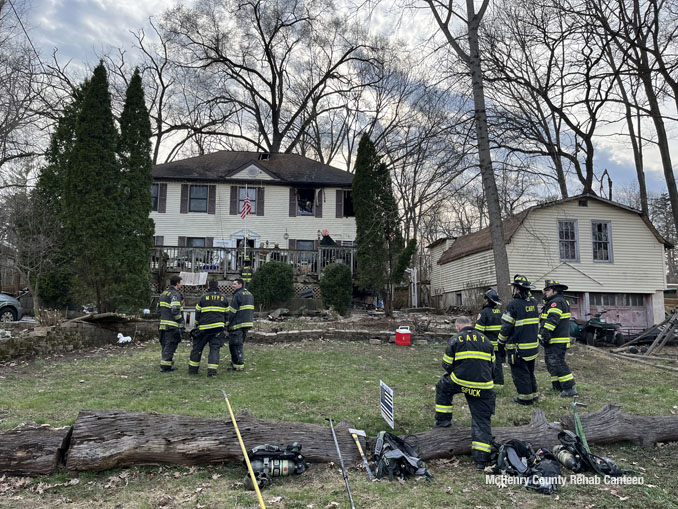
[[466, 275], [270, 227]]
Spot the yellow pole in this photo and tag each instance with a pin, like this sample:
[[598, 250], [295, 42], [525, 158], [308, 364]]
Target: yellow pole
[[244, 452]]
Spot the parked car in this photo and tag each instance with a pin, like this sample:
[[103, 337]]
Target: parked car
[[10, 308]]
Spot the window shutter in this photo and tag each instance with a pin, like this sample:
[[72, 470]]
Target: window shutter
[[159, 240], [340, 203], [162, 198], [293, 202], [293, 243], [319, 203], [234, 201], [260, 201], [211, 199], [183, 209], [209, 241], [182, 241]]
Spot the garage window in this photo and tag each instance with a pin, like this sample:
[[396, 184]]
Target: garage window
[[604, 299]]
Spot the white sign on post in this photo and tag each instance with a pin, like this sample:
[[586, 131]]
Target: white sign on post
[[386, 403]]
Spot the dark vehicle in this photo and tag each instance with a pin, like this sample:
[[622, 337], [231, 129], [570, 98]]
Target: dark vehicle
[[596, 330], [10, 308]]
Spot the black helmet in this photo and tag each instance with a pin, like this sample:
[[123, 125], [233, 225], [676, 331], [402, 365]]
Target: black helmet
[[522, 282], [492, 296], [556, 285]]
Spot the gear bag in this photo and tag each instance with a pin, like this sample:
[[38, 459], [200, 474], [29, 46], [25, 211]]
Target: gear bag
[[396, 458], [541, 469], [586, 461], [270, 461]]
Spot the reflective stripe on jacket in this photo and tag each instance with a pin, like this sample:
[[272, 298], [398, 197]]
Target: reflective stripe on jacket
[[520, 326], [171, 310], [555, 321], [469, 359], [210, 312], [240, 313], [489, 322]]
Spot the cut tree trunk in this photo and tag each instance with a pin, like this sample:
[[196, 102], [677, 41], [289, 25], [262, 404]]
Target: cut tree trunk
[[32, 450], [111, 439]]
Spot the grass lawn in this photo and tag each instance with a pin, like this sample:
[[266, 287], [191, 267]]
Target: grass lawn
[[308, 382]]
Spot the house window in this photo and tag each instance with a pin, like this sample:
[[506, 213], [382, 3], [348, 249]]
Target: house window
[[604, 299], [306, 245], [305, 202], [252, 193], [632, 300], [195, 241], [602, 241], [198, 199], [348, 204], [567, 240], [154, 197], [458, 296]]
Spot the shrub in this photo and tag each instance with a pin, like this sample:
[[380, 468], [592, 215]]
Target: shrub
[[272, 283], [336, 287]]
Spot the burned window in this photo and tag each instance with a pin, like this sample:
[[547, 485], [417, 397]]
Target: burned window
[[305, 202], [348, 204]]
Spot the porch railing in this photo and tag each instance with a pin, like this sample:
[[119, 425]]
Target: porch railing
[[229, 260]]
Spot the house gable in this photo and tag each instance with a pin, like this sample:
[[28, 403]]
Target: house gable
[[252, 171]]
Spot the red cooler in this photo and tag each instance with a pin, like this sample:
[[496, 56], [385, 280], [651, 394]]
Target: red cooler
[[403, 336]]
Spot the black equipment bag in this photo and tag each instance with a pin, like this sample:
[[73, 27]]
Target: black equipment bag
[[541, 469], [396, 458], [586, 460]]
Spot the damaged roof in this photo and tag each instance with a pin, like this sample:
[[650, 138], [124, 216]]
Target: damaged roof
[[222, 165]]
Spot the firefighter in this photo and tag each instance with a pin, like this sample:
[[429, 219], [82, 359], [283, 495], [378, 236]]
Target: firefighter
[[209, 326], [171, 323], [554, 335], [519, 334], [468, 362], [246, 273], [240, 315], [489, 323]]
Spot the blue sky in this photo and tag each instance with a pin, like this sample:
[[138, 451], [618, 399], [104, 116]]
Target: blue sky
[[81, 29]]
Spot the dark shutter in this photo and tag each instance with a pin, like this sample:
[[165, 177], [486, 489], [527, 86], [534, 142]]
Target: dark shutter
[[340, 203], [319, 203], [182, 241], [211, 199], [234, 201], [183, 209], [260, 201], [209, 241], [162, 198], [159, 240], [293, 243], [293, 202]]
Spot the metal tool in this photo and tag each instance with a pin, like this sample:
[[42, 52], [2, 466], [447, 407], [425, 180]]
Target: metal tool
[[341, 462], [244, 452], [355, 433]]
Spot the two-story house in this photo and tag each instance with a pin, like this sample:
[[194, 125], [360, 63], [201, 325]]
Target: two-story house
[[197, 202], [609, 255]]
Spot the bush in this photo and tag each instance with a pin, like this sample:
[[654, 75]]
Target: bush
[[336, 287], [272, 283]]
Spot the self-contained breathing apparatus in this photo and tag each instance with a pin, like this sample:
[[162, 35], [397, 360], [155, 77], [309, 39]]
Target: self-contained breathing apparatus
[[269, 461]]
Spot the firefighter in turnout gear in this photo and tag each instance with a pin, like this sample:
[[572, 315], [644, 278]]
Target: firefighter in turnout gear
[[171, 323], [519, 330], [240, 316], [246, 273], [489, 323], [210, 314], [554, 335], [468, 362]]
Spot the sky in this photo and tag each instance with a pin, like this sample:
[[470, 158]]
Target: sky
[[83, 29]]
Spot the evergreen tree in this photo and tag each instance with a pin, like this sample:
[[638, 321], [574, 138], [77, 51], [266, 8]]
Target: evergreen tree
[[92, 201], [379, 238], [134, 151]]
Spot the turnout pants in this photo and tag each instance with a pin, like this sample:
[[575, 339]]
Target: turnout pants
[[498, 370], [215, 340], [236, 338], [522, 372], [480, 403], [169, 340], [561, 377]]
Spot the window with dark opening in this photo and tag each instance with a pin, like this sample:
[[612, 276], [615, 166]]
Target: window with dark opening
[[305, 202], [154, 197], [198, 199], [348, 204]]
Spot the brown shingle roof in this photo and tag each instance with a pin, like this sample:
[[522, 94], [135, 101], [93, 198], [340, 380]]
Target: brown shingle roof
[[288, 168]]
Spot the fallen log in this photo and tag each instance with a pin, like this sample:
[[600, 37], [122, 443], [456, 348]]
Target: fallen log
[[102, 440], [109, 439], [630, 358], [32, 450]]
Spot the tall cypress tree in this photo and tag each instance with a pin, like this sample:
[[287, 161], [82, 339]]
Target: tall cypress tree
[[92, 205], [378, 236], [134, 151]]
